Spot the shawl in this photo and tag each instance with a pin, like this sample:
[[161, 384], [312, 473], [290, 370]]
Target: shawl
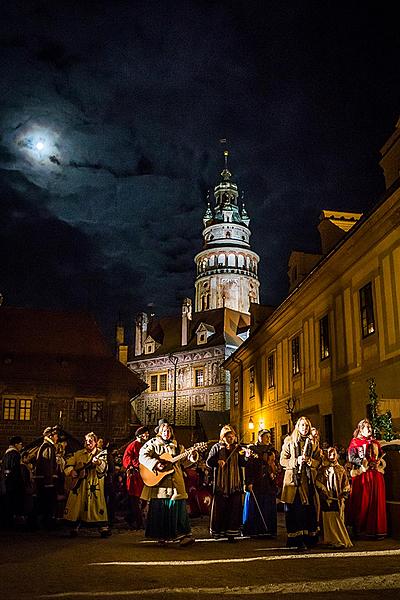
[[228, 478]]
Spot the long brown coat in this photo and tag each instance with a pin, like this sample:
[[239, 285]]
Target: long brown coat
[[291, 481]]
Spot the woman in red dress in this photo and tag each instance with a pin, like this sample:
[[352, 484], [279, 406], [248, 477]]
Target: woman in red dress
[[367, 508]]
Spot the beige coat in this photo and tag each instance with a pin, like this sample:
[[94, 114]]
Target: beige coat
[[171, 486], [288, 460]]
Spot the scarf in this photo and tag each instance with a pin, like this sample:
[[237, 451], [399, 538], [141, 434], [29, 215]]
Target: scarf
[[228, 478]]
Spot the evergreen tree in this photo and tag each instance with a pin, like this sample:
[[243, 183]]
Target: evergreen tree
[[381, 423]]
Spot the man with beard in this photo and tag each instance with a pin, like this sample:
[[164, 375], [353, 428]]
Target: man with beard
[[86, 504]]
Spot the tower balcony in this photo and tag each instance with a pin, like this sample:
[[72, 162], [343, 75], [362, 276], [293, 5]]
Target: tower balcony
[[209, 271]]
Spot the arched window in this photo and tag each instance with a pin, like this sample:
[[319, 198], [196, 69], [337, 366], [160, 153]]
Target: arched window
[[231, 260], [221, 260], [240, 261]]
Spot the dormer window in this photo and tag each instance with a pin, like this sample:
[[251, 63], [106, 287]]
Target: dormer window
[[149, 346], [204, 332]]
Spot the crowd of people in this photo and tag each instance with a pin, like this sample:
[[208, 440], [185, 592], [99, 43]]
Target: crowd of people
[[154, 482]]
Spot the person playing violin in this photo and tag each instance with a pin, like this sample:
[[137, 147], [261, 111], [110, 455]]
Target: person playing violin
[[227, 462], [259, 512]]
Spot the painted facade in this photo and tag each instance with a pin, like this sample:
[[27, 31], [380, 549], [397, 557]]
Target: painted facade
[[338, 327]]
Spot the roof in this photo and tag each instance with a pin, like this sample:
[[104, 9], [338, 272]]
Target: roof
[[59, 347], [226, 322]]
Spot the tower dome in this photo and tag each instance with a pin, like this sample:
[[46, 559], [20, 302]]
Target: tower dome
[[226, 267]]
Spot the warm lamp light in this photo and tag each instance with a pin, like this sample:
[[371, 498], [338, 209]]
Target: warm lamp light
[[251, 424]]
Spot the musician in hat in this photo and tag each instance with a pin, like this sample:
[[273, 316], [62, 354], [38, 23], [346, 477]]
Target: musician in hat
[[86, 504], [167, 517], [227, 461], [299, 458], [134, 482], [46, 476], [259, 512]]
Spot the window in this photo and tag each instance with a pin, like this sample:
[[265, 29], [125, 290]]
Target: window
[[296, 355], [9, 409], [199, 377], [367, 310], [271, 371], [96, 412], [88, 411], [82, 411], [236, 392], [163, 382], [251, 382], [272, 431], [17, 409], [25, 407], [324, 338], [153, 383]]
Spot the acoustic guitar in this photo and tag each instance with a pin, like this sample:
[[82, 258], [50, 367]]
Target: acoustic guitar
[[153, 478], [73, 483]]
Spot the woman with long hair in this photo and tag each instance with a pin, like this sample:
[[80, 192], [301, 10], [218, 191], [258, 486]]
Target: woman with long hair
[[227, 462], [367, 506], [299, 458]]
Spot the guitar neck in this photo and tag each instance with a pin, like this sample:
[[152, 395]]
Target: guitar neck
[[183, 455]]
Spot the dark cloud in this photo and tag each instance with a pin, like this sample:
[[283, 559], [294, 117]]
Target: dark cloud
[[130, 99]]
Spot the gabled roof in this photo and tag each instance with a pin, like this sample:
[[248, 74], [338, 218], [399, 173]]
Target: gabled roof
[[42, 346], [227, 323]]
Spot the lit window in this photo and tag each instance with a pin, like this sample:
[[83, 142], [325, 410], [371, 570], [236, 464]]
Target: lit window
[[9, 409], [163, 382], [367, 311], [199, 377], [324, 338], [236, 392], [25, 407], [251, 382], [154, 383], [296, 355], [271, 371]]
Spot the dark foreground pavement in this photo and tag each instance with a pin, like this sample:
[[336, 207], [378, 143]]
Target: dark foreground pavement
[[51, 566]]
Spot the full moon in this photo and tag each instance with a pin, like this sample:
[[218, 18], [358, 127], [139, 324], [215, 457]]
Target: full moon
[[39, 146]]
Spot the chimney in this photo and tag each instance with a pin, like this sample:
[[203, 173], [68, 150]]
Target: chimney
[[186, 317], [141, 323]]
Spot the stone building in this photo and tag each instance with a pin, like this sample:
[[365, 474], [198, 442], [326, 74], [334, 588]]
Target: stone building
[[56, 367], [180, 357], [339, 326]]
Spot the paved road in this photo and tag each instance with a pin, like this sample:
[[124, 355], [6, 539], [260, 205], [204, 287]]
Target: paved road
[[51, 566]]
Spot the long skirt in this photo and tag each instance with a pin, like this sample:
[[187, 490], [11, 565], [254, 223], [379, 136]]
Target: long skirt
[[301, 523], [226, 515], [167, 519], [367, 504], [335, 532], [255, 523]]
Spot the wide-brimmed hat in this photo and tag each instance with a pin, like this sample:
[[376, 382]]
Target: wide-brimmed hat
[[160, 423], [51, 430]]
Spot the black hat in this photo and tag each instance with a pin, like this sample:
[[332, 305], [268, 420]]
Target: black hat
[[51, 430], [16, 439], [141, 430], [161, 422]]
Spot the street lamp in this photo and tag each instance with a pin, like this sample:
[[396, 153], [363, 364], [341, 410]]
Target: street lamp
[[174, 360], [250, 426]]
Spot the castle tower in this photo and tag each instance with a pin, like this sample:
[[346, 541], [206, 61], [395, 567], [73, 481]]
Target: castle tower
[[226, 267]]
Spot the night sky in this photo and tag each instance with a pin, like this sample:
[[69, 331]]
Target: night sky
[[111, 116]]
